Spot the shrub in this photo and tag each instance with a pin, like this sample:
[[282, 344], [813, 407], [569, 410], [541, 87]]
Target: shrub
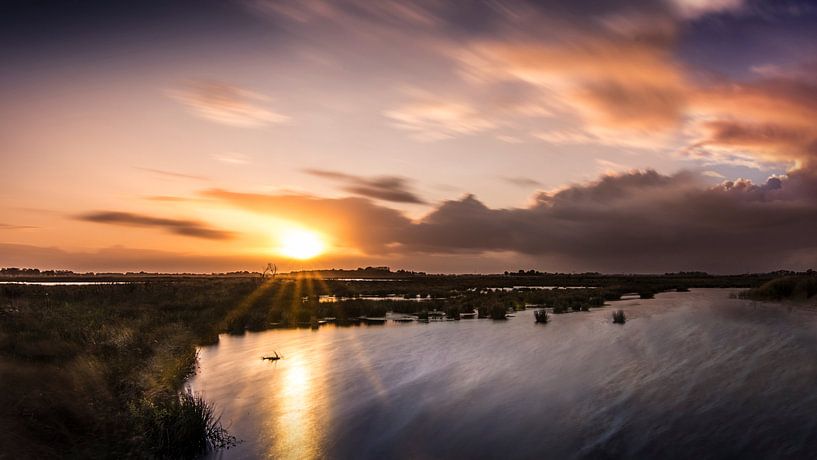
[[182, 426], [497, 311]]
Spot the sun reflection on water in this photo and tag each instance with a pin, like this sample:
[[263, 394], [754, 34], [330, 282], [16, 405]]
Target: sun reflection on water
[[300, 406]]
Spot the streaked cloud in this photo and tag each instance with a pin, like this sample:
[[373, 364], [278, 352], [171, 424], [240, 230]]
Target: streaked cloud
[[177, 226], [522, 181], [227, 104], [768, 120], [172, 174], [714, 174], [696, 8], [386, 188], [16, 227], [432, 120], [231, 158]]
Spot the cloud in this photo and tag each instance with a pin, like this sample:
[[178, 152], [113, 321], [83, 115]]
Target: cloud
[[227, 104], [521, 181], [614, 83], [633, 221], [692, 9], [231, 158], [567, 137], [386, 188], [356, 222], [16, 227], [640, 221], [179, 227], [498, 109], [172, 174], [611, 167], [433, 120], [751, 123], [714, 174]]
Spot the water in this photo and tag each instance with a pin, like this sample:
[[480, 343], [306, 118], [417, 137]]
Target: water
[[689, 375], [516, 288], [66, 283], [332, 298]]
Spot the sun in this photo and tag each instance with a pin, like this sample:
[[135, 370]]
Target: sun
[[301, 244]]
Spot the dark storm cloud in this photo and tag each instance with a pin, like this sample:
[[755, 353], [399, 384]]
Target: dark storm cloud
[[180, 227], [386, 188], [641, 221]]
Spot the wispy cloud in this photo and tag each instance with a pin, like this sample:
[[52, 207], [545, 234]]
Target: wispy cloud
[[497, 110], [227, 104], [692, 9], [178, 226], [714, 174], [16, 227], [433, 120], [172, 174], [231, 158], [386, 188], [521, 181]]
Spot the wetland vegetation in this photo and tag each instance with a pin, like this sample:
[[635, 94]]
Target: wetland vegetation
[[98, 370]]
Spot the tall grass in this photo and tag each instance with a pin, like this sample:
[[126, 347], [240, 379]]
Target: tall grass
[[797, 288], [180, 425], [96, 371]]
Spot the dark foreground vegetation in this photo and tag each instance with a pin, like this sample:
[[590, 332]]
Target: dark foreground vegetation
[[98, 371], [802, 287]]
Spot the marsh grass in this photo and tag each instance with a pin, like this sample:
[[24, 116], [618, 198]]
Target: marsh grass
[[96, 371], [795, 288], [180, 425]]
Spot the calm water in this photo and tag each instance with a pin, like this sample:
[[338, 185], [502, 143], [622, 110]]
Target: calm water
[[689, 375], [66, 283]]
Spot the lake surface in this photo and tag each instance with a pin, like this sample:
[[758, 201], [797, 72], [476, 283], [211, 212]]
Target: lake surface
[[690, 375], [66, 283]]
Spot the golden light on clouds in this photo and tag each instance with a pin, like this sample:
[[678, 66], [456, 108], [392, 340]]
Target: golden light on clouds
[[302, 244]]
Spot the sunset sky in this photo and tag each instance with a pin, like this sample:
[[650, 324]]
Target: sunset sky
[[478, 136]]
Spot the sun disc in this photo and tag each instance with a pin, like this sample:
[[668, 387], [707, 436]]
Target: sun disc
[[301, 244]]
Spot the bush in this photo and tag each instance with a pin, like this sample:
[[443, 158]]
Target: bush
[[180, 426], [786, 288], [497, 311]]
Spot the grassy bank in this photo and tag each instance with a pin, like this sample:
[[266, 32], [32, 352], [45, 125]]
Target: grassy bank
[[95, 371], [797, 288]]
